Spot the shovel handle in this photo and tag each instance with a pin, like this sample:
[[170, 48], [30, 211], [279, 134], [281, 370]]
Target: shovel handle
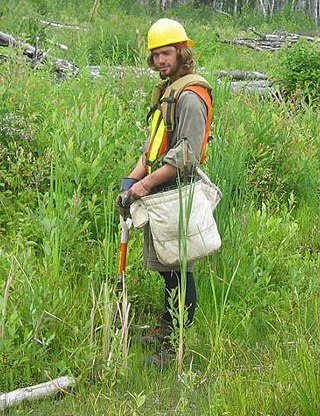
[[123, 258], [125, 226]]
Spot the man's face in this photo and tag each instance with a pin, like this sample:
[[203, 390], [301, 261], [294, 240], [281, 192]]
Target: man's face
[[165, 61]]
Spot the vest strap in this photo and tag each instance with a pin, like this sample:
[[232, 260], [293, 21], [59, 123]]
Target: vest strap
[[164, 99], [170, 108]]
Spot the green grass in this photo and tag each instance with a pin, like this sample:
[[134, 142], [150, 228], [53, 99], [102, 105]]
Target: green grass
[[254, 345]]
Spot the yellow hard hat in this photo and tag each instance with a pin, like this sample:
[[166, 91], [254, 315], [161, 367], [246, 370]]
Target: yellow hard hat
[[167, 32]]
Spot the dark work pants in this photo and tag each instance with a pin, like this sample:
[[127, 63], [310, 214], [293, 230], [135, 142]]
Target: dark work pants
[[172, 283]]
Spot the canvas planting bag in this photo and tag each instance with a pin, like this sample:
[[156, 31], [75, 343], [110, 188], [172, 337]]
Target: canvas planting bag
[[181, 215]]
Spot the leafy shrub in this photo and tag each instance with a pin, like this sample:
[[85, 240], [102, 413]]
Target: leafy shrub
[[22, 167], [299, 71]]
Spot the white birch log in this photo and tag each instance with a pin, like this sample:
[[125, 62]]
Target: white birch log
[[63, 25], [242, 74], [259, 86], [35, 392], [8, 40]]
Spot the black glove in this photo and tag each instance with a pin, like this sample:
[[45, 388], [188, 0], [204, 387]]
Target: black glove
[[123, 204], [126, 183], [123, 200]]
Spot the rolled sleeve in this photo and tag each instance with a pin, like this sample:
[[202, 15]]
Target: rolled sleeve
[[191, 117]]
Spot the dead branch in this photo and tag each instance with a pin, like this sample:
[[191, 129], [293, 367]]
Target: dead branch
[[256, 32], [63, 25], [35, 392], [215, 10], [62, 67], [8, 40], [249, 44]]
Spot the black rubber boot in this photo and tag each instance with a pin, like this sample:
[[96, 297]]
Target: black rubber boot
[[163, 357], [156, 335]]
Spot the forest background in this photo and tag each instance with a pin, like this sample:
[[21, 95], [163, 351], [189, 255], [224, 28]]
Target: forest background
[[68, 135]]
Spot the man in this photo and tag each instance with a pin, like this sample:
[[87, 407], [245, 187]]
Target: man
[[180, 125]]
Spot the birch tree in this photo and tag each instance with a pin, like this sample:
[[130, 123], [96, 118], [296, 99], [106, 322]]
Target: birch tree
[[233, 7]]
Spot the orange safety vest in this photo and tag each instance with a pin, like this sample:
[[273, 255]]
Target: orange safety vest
[[163, 116]]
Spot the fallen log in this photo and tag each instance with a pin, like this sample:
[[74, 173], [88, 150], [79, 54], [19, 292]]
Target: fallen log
[[243, 42], [241, 80], [269, 42], [7, 40], [242, 74], [121, 71], [291, 37], [261, 87], [36, 392], [29, 50], [64, 69], [63, 25]]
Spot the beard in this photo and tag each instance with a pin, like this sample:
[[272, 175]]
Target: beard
[[174, 73], [163, 76]]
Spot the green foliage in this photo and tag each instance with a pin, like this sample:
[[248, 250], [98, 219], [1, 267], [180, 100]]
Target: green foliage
[[299, 71], [254, 151], [285, 19], [306, 379], [22, 167], [64, 147]]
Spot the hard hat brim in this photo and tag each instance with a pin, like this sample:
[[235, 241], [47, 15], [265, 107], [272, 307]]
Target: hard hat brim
[[190, 43]]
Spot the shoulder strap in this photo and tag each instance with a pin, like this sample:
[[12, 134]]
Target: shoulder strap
[[207, 98], [158, 91], [156, 97], [173, 92]]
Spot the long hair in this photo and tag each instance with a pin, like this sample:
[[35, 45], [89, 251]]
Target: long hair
[[185, 60]]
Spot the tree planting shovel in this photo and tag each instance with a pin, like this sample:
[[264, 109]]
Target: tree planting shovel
[[122, 320], [124, 202], [121, 282], [125, 227]]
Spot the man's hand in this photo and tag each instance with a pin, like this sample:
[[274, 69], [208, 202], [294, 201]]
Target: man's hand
[[139, 189], [123, 201], [124, 198]]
